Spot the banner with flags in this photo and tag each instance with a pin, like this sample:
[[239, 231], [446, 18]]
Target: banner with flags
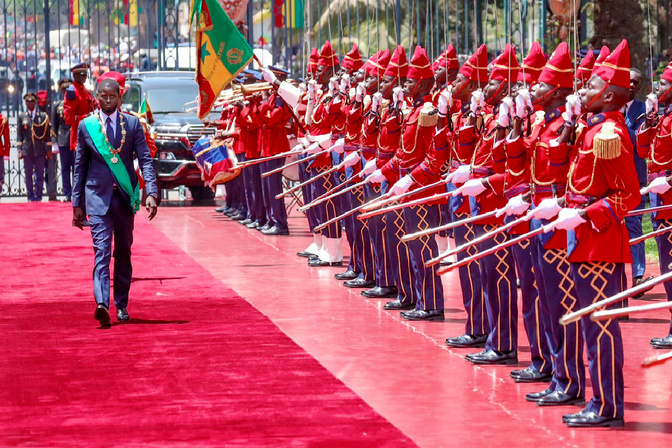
[[221, 52], [295, 19], [131, 12], [76, 18]]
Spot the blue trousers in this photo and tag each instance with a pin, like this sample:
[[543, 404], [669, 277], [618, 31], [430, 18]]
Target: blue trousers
[[498, 277], [275, 211], [664, 242], [235, 194], [362, 248], [385, 268], [426, 284], [34, 167], [118, 223], [342, 203], [400, 257], [306, 192], [252, 191], [596, 281], [634, 226], [470, 275], [67, 170]]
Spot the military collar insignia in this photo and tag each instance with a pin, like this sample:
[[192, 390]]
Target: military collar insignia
[[465, 108], [596, 119], [553, 115], [668, 110], [419, 102]]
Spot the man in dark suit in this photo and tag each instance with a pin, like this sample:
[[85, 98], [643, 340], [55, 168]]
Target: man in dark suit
[[34, 145], [634, 116], [107, 142]]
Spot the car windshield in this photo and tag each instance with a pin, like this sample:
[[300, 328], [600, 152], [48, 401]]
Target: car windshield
[[171, 99]]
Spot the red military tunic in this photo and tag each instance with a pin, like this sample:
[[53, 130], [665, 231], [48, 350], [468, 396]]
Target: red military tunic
[[655, 144], [602, 181], [4, 136], [274, 118], [417, 133], [322, 122], [78, 104], [249, 120]]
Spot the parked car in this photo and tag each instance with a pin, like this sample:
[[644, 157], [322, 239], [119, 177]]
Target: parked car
[[174, 130]]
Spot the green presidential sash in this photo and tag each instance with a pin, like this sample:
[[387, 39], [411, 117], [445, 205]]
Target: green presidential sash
[[119, 171]]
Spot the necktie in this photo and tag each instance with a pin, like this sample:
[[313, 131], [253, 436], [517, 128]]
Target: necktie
[[109, 130]]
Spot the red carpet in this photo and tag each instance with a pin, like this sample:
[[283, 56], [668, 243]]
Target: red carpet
[[196, 366]]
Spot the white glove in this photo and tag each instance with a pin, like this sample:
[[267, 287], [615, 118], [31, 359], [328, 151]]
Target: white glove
[[444, 100], [313, 148], [376, 177], [312, 89], [359, 93], [402, 185], [651, 103], [568, 219], [268, 75], [573, 107], [523, 102], [659, 185], [352, 159], [460, 175], [333, 84], [503, 118], [54, 148], [345, 84], [376, 101], [516, 206], [299, 147], [472, 187], [370, 167], [338, 146], [547, 209], [477, 101]]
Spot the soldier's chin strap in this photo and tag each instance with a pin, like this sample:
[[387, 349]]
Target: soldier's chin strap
[[494, 95], [545, 95], [606, 85]]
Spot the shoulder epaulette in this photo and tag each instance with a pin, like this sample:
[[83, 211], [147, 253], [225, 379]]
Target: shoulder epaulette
[[428, 116], [607, 143]]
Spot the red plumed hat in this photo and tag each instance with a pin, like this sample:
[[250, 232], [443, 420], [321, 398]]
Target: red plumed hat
[[585, 69], [328, 57], [604, 52], [121, 79], [615, 69], [476, 68], [377, 63], [312, 61], [558, 71], [398, 65], [420, 68], [532, 65], [505, 66], [353, 60], [447, 59]]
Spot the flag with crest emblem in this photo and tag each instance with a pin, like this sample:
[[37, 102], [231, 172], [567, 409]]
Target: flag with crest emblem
[[221, 52]]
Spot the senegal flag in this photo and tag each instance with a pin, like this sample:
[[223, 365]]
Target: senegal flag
[[221, 52], [146, 111]]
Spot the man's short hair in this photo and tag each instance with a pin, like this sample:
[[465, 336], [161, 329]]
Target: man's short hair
[[111, 83], [635, 70]]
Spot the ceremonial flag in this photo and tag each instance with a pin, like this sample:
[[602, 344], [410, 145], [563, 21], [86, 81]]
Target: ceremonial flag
[[75, 14], [221, 52], [146, 111], [131, 12], [295, 13]]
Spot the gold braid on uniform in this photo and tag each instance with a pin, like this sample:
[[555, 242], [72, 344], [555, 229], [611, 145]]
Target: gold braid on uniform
[[44, 124], [607, 143], [427, 118]]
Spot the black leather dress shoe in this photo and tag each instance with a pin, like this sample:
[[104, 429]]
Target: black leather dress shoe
[[275, 231], [102, 315], [253, 224], [593, 420], [347, 275], [122, 315], [559, 398], [222, 209], [305, 254], [567, 417], [239, 217], [264, 227], [316, 263], [665, 342], [246, 221], [530, 375], [397, 305], [359, 283], [536, 396], [432, 315], [491, 357], [467, 341], [380, 292], [638, 281]]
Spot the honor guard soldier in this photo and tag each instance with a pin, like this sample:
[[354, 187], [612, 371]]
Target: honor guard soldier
[[445, 68], [544, 166], [34, 145], [416, 143], [52, 163], [4, 147], [602, 188], [472, 76], [78, 103], [498, 274], [274, 116], [585, 68], [60, 138], [531, 67], [654, 142]]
